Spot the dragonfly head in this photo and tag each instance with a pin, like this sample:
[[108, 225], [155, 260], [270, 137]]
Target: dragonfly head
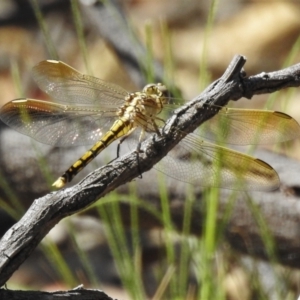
[[156, 89]]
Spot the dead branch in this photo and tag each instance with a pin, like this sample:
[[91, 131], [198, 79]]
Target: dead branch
[[19, 242]]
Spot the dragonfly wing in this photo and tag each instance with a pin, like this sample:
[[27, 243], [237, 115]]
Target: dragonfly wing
[[250, 127], [67, 85], [246, 126], [56, 124], [201, 163]]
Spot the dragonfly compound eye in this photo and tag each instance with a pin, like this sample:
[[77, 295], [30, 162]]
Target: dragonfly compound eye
[[163, 89], [157, 89], [149, 88]]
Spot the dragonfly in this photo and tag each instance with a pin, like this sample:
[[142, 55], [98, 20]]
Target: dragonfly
[[87, 110]]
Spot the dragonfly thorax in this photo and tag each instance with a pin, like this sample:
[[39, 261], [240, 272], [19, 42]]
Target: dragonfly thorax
[[141, 108]]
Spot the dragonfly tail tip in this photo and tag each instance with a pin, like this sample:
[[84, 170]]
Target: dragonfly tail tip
[[59, 183]]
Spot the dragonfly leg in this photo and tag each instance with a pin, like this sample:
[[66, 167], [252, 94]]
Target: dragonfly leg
[[138, 150], [121, 140], [156, 128]]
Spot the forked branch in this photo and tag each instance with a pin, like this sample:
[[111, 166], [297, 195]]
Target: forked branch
[[19, 242]]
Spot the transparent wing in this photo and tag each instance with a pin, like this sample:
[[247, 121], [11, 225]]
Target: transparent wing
[[56, 124], [201, 163], [247, 126], [66, 85], [85, 107]]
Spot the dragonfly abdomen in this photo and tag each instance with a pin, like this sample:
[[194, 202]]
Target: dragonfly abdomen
[[120, 128]]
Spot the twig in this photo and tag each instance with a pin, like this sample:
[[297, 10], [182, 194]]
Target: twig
[[19, 242], [75, 294]]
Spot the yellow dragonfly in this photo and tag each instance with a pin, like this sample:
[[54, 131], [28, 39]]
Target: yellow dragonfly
[[89, 110]]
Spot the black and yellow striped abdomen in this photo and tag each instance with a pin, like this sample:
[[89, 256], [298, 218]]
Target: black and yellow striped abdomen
[[120, 128]]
